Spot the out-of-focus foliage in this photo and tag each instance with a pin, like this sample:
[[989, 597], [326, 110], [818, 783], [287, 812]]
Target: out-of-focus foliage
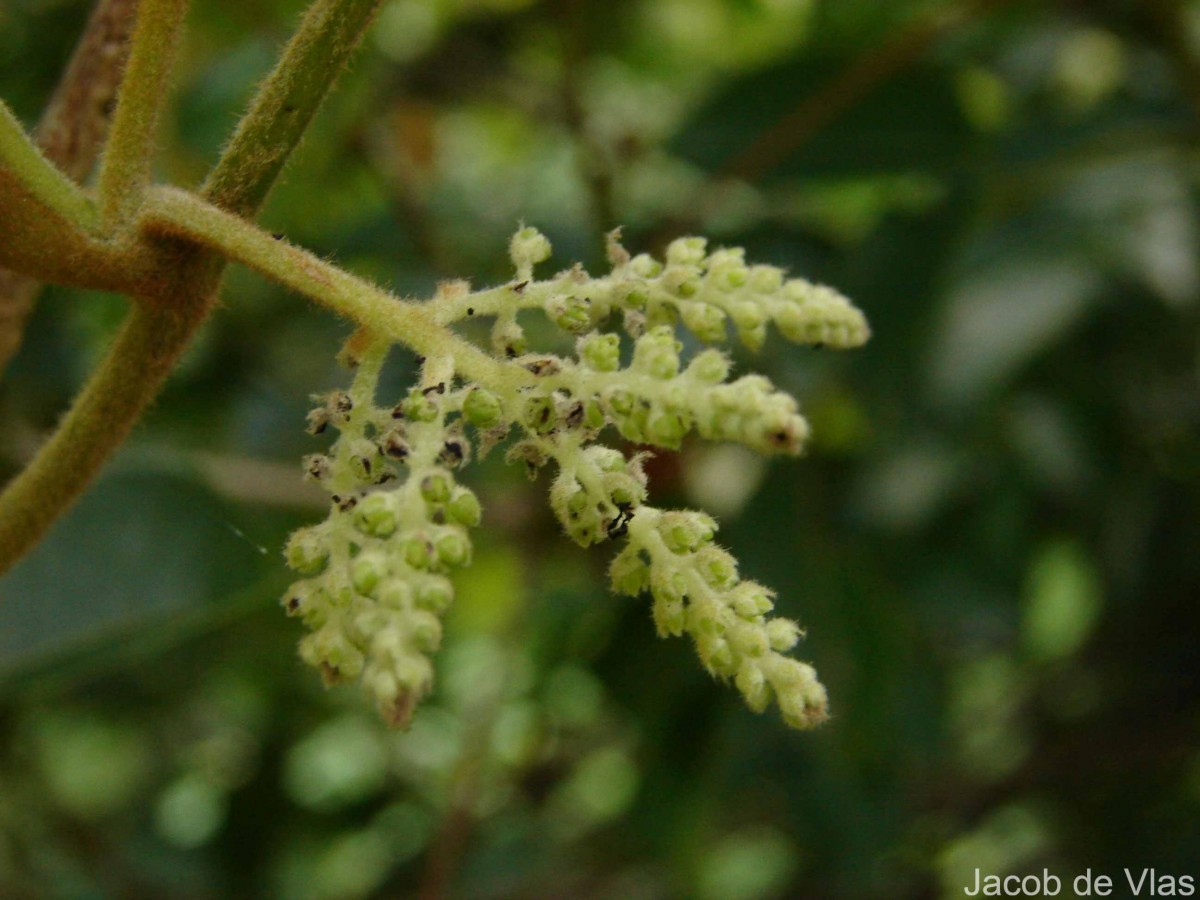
[[993, 540]]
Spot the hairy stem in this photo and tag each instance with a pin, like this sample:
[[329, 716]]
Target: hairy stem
[[178, 214], [159, 329], [124, 384], [70, 133], [286, 103], [27, 166], [125, 167]]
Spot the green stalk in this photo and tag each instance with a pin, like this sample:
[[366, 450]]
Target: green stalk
[[178, 214], [40, 177], [286, 102], [125, 166], [121, 387], [160, 326]]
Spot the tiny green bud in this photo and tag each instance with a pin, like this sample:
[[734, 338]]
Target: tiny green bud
[[669, 617], [394, 594], [307, 551], [434, 593], [657, 353], [783, 634], [417, 552], [540, 414], [645, 266], [628, 572], [665, 428], [709, 367], [621, 402], [750, 600], [527, 248], [482, 408], [366, 571], [717, 567], [705, 321], [418, 407], [453, 550], [593, 414], [749, 640], [464, 507], [426, 630], [686, 251], [637, 298], [570, 313], [601, 352], [766, 279], [436, 485], [375, 516], [753, 686]]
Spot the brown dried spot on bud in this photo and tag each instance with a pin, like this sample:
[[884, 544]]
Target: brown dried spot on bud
[[344, 503], [574, 415], [317, 467], [394, 445], [439, 388], [330, 675], [543, 365], [399, 712], [317, 420]]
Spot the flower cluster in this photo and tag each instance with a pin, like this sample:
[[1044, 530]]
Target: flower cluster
[[376, 570], [375, 582]]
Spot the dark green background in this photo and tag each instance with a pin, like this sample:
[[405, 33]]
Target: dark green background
[[992, 541]]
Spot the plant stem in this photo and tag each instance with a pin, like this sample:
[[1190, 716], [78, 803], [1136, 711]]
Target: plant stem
[[286, 103], [176, 213], [70, 133], [46, 183], [161, 325], [125, 167], [121, 387]]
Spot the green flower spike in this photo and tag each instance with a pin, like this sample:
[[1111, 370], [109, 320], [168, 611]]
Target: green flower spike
[[375, 575]]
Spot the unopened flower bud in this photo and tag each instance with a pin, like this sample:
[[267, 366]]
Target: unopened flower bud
[[686, 251], [307, 551], [375, 515], [453, 549], [601, 352], [482, 408], [436, 486], [464, 507], [705, 321], [657, 353], [783, 634], [527, 248], [366, 571]]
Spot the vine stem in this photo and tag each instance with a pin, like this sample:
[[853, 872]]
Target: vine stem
[[165, 317], [125, 165], [175, 213], [21, 157], [124, 383], [70, 134]]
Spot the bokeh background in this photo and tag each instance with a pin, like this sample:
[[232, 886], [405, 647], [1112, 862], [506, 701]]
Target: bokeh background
[[993, 539]]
